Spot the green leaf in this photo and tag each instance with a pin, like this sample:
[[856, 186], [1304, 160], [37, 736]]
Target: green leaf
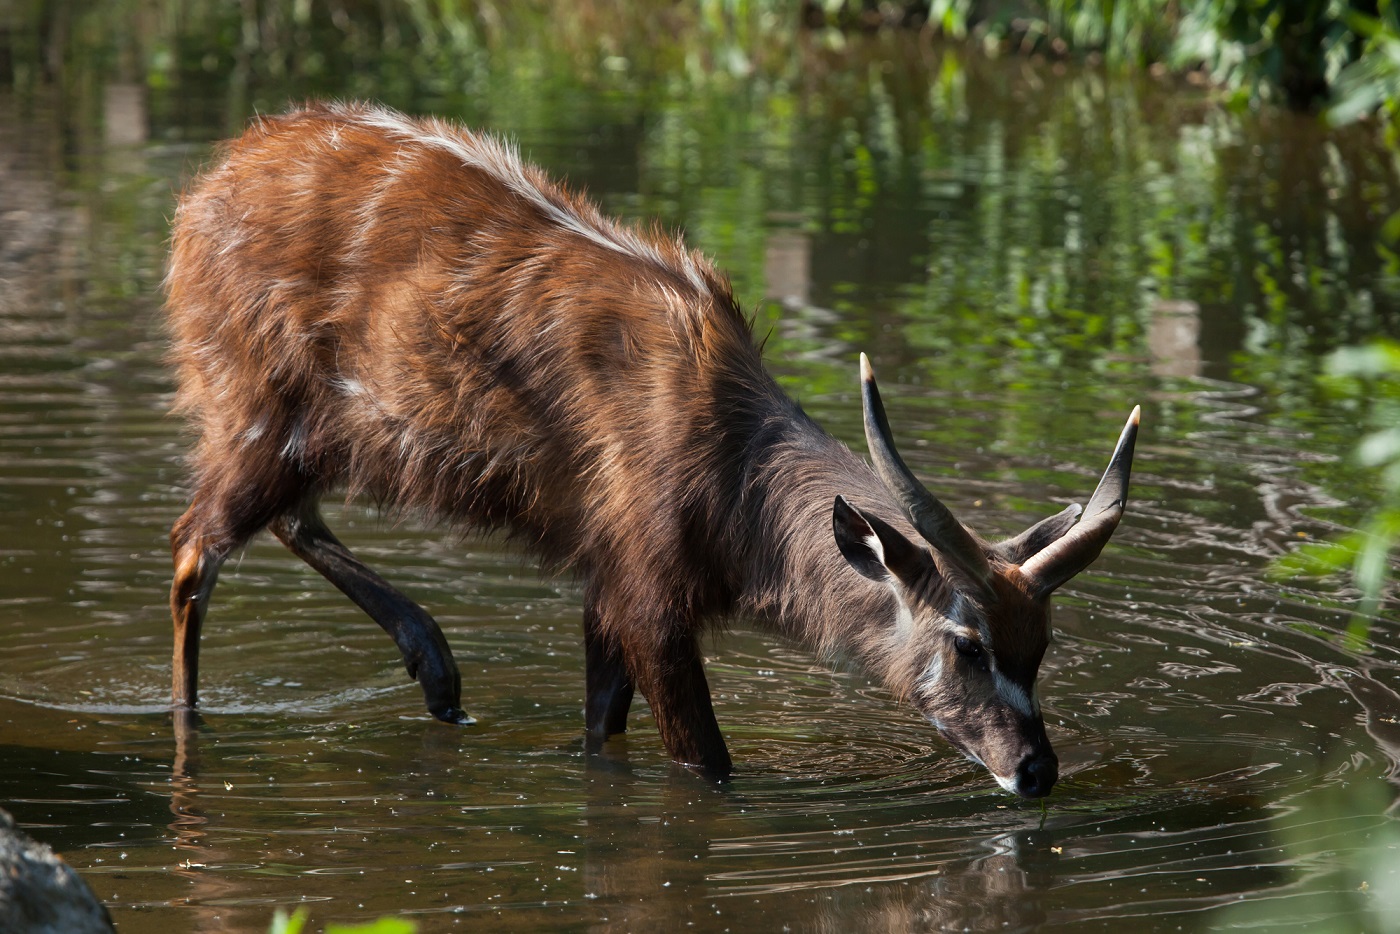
[[1371, 566], [1319, 559], [1390, 230], [281, 924], [1379, 448], [1377, 359], [382, 926]]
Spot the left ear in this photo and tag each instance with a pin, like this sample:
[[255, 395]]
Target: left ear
[[1029, 543], [875, 549]]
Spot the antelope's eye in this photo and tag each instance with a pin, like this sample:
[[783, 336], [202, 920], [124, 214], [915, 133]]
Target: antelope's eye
[[967, 648]]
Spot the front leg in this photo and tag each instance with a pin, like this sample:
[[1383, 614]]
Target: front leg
[[607, 683], [627, 650], [671, 676]]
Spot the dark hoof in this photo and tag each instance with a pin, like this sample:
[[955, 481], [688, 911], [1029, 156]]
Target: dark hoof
[[719, 773], [595, 742], [454, 715]]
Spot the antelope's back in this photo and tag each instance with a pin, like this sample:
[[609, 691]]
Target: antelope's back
[[407, 309]]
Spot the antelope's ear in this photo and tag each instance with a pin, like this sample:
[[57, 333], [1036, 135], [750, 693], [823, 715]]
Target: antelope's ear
[[1029, 543], [874, 549]]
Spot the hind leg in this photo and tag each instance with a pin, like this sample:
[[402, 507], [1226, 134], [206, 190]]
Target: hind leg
[[226, 511], [196, 570], [425, 651]]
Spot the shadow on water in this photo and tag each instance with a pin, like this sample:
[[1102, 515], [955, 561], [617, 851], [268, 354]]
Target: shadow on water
[[1027, 251]]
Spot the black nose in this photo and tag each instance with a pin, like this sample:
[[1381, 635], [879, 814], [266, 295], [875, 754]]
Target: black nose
[[1037, 774]]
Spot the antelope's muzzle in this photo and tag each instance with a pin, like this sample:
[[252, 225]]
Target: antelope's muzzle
[[1036, 774]]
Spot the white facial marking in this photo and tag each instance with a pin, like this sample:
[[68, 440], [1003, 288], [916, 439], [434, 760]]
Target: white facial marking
[[930, 678], [1007, 784], [1014, 695], [966, 620], [957, 612]]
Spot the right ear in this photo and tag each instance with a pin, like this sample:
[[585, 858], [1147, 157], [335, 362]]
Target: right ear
[[874, 549]]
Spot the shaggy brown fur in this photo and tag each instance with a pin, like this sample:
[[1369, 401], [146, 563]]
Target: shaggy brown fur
[[403, 309]]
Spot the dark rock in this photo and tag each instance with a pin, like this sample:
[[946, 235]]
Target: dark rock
[[40, 893]]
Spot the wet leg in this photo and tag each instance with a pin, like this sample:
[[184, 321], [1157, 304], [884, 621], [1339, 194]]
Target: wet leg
[[228, 509], [224, 514], [607, 684], [197, 563], [672, 678], [425, 651]]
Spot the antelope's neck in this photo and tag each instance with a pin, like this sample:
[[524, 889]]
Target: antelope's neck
[[796, 580]]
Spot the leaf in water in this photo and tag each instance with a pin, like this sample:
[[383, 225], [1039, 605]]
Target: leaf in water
[[1317, 559], [282, 924], [1378, 358], [382, 926]]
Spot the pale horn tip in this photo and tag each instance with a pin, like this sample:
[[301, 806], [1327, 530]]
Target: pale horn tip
[[866, 373]]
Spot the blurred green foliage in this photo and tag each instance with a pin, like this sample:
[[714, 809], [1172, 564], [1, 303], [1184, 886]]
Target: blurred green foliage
[[1372, 80], [1369, 377], [1306, 53], [1271, 49], [1085, 200], [1355, 890], [296, 922], [1341, 53]]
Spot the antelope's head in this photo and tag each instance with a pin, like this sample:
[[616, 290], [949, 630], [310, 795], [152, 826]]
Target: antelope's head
[[972, 619]]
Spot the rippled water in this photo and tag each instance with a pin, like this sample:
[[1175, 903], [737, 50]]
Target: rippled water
[[1022, 278]]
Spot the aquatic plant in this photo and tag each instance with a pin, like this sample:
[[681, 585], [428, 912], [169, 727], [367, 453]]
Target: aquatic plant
[[295, 923]]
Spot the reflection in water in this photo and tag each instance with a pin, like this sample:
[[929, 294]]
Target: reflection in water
[[198, 857], [41, 235], [124, 115], [1000, 236], [1382, 710], [996, 892], [1173, 338], [787, 268]]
